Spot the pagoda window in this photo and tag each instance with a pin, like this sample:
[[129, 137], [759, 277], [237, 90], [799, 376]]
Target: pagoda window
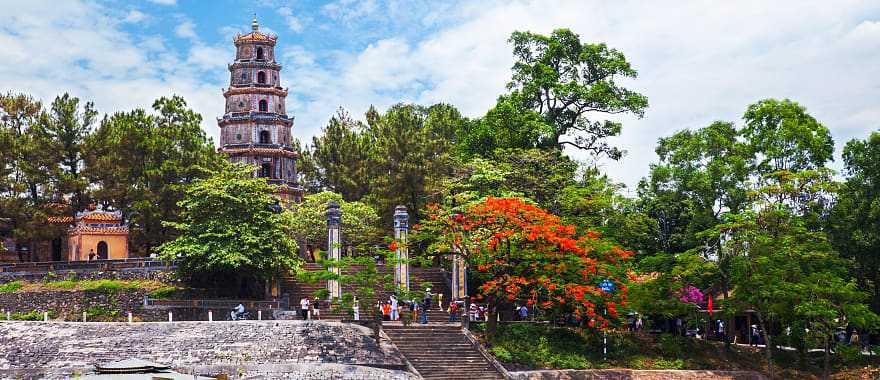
[[243, 76], [261, 77], [260, 53], [264, 137], [264, 106], [266, 170]]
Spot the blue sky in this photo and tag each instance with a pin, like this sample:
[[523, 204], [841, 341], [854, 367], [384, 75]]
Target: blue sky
[[697, 61]]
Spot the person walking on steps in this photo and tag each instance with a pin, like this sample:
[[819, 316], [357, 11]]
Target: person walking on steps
[[453, 311], [356, 308], [423, 309], [304, 308], [316, 309], [395, 314]]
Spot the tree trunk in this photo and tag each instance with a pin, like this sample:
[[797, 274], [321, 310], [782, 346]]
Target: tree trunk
[[767, 352], [492, 323], [826, 362]]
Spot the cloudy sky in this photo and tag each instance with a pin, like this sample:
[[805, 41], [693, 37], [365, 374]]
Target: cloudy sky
[[698, 61]]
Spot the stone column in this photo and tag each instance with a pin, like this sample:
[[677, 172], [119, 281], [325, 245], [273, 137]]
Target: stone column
[[459, 276], [401, 265], [334, 246]]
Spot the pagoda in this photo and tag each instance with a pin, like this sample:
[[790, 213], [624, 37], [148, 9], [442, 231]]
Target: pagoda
[[255, 129]]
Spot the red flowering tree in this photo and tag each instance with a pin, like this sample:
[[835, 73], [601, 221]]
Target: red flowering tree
[[524, 254]]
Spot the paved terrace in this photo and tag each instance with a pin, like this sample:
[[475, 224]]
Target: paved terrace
[[60, 349]]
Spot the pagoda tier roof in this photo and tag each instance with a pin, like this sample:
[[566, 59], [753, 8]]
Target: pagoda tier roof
[[255, 90], [60, 219], [251, 149], [255, 37], [254, 63], [257, 117], [122, 230]]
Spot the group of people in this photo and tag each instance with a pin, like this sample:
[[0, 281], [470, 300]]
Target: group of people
[[310, 309]]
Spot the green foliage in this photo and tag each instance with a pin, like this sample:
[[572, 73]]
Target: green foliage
[[854, 222], [164, 292], [309, 221], [229, 229], [141, 164], [501, 354], [30, 316], [10, 287], [565, 81], [340, 158]]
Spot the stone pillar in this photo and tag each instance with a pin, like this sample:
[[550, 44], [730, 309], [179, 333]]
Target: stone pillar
[[459, 276], [401, 264], [334, 246]]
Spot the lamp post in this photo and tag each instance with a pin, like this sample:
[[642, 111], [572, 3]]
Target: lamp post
[[607, 286]]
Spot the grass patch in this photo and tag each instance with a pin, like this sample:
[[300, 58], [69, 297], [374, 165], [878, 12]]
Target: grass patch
[[10, 287], [107, 286]]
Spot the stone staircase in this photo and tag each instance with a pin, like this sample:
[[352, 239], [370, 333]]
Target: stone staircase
[[441, 352], [298, 289]]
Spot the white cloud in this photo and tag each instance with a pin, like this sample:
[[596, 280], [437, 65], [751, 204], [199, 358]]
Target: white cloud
[[186, 29], [164, 2], [134, 16], [293, 22], [697, 62]]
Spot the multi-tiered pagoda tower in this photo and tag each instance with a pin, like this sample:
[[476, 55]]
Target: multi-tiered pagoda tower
[[256, 129]]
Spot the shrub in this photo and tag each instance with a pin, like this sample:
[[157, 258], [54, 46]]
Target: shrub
[[501, 354], [32, 316], [63, 284], [848, 355], [672, 345], [163, 292], [10, 287]]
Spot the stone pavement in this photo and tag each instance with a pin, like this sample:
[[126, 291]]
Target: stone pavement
[[57, 349]]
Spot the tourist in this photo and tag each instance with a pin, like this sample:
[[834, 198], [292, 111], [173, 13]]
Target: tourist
[[523, 313], [755, 336], [474, 312], [395, 314], [316, 309], [304, 308], [720, 330], [413, 309], [639, 323], [440, 301], [91, 254], [356, 307], [423, 308], [453, 311], [427, 300], [386, 311]]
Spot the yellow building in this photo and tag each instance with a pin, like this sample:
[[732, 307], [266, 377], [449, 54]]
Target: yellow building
[[97, 235]]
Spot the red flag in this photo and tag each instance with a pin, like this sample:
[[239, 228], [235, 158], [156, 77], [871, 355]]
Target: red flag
[[710, 305]]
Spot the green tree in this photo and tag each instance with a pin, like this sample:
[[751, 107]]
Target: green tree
[[141, 164], [410, 155], [340, 156], [854, 224], [230, 230], [565, 81], [359, 225], [62, 132]]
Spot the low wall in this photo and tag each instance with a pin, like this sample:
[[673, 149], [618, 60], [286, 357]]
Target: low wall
[[632, 374], [69, 305], [60, 350], [166, 276]]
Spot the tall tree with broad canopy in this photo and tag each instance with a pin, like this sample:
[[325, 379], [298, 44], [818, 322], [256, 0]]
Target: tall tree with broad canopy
[[231, 232], [565, 81], [341, 156], [855, 220], [141, 164], [524, 254]]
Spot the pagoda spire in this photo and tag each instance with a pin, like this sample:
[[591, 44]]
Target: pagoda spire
[[254, 24]]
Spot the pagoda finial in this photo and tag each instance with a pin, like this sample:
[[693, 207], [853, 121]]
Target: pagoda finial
[[255, 25]]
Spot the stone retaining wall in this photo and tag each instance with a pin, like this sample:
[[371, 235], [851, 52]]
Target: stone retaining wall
[[631, 374], [69, 305], [59, 349], [165, 276]]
